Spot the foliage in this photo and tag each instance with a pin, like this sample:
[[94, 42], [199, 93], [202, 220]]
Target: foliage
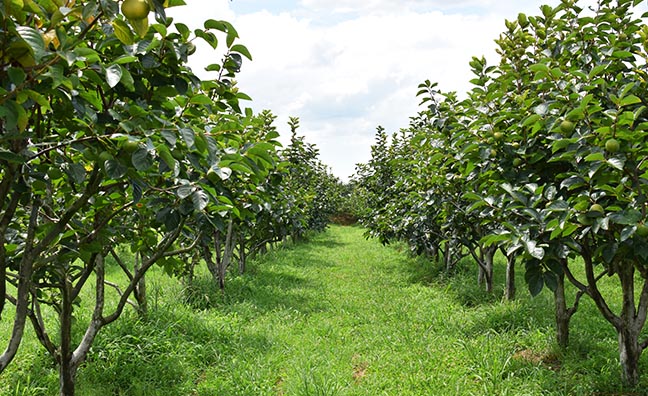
[[109, 142], [545, 159], [316, 191]]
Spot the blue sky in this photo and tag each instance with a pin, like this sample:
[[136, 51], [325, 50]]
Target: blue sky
[[345, 67]]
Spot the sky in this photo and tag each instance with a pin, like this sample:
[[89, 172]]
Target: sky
[[345, 67]]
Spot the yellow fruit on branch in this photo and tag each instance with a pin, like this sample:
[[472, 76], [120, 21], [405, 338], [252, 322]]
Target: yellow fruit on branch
[[135, 9]]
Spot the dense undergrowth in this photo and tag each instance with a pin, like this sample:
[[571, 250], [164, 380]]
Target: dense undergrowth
[[338, 315]]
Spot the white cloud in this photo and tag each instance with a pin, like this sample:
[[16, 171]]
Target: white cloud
[[346, 66], [346, 79]]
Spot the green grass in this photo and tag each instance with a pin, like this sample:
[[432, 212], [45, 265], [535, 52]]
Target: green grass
[[337, 316]]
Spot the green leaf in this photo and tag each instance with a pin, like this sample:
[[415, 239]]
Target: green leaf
[[540, 69], [532, 119], [241, 168], [622, 54], [533, 250], [597, 70], [616, 163], [185, 191], [123, 32], [113, 75], [200, 200], [224, 173], [626, 217], [534, 279], [200, 99], [141, 159], [629, 100], [570, 229], [550, 280], [16, 75], [210, 38], [188, 136], [114, 169], [166, 156], [76, 172], [6, 155], [595, 157], [138, 190], [35, 41], [627, 232], [125, 59], [213, 24], [241, 49]]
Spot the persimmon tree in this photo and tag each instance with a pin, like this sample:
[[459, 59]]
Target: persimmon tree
[[589, 94], [552, 144], [108, 140], [578, 187]]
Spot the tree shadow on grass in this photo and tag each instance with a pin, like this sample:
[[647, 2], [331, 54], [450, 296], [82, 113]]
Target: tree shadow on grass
[[265, 287], [162, 354]]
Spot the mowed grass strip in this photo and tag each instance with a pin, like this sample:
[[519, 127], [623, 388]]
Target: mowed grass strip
[[339, 315]]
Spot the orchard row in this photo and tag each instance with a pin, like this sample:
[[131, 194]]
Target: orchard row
[[546, 161], [110, 143]]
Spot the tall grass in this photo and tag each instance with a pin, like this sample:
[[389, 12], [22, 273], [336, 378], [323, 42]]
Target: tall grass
[[338, 315]]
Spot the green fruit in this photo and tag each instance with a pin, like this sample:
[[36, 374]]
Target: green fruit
[[498, 135], [541, 34], [642, 230], [130, 146], [212, 176], [135, 9], [517, 162], [493, 153], [567, 126], [105, 156], [612, 145], [597, 208], [584, 219]]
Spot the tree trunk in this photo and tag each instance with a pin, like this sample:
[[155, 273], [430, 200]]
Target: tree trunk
[[66, 369], [22, 293], [140, 287], [509, 289], [485, 264], [629, 354], [562, 314], [447, 257], [242, 255], [629, 326], [207, 256], [489, 253], [227, 255]]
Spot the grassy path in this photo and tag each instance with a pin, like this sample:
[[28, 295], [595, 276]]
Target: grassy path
[[346, 316], [339, 315]]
